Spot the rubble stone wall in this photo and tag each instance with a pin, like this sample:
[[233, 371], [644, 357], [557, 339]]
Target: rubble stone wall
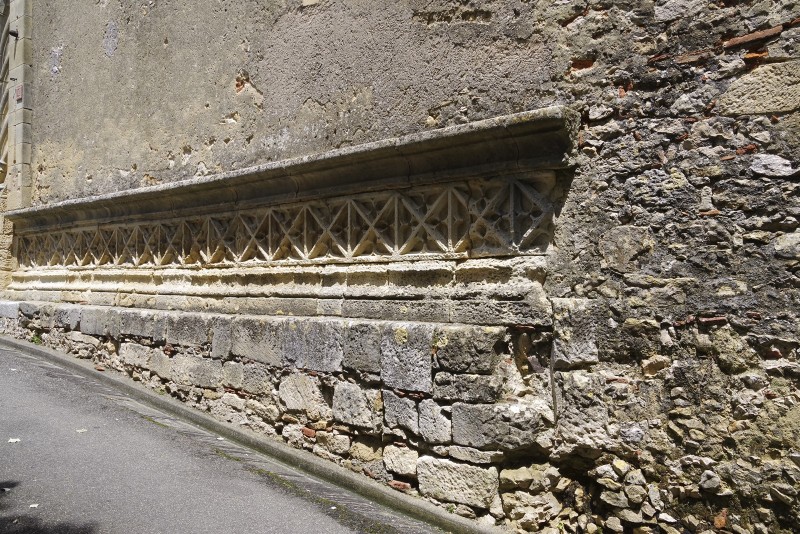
[[650, 382]]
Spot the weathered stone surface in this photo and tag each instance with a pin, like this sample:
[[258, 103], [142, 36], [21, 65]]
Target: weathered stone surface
[[187, 329], [500, 426], [582, 426], [194, 371], [97, 321], [362, 346], [434, 426], [232, 374], [69, 317], [453, 482], [466, 388], [135, 354], [772, 88], [335, 443], [772, 165], [400, 412], [667, 10], [256, 378], [788, 246], [314, 344], [139, 323], [406, 353], [621, 245], [358, 407], [400, 460], [9, 309], [221, 336], [463, 349], [516, 478], [574, 323], [300, 393], [161, 365], [256, 338], [468, 454]]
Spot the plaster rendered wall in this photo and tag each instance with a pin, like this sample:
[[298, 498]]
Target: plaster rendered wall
[[656, 389], [160, 91]]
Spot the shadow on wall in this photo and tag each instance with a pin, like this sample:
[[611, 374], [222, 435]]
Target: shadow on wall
[[11, 523]]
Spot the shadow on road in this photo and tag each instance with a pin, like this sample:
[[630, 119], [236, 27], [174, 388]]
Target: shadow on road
[[25, 524]]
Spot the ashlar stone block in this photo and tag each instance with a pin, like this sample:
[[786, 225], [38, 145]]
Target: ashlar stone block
[[358, 407], [505, 426], [460, 483], [400, 412], [362, 346], [199, 372], [467, 349], [406, 356]]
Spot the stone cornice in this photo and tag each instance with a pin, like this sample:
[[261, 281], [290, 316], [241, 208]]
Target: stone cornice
[[538, 139]]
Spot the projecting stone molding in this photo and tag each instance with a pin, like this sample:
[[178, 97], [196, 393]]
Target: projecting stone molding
[[435, 203]]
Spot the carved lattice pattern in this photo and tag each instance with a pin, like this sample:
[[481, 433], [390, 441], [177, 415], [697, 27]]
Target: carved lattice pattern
[[496, 217]]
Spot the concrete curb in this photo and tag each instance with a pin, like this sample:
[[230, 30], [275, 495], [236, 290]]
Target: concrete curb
[[298, 459]]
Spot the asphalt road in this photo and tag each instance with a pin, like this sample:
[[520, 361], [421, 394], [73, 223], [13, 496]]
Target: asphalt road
[[90, 460]]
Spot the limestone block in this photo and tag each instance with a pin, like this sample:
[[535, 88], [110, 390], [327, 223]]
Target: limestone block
[[583, 418], [256, 338], [221, 336], [301, 393], [788, 246], [467, 388], [434, 426], [194, 371], [771, 88], [400, 412], [135, 354], [400, 460], [534, 310], [574, 323], [161, 365], [362, 346], [453, 482], [29, 309], [78, 337], [406, 351], [100, 321], [473, 456], [9, 309], [139, 323], [314, 344], [365, 452], [232, 375], [256, 378], [500, 426], [516, 478], [467, 349], [67, 316], [358, 407], [187, 329]]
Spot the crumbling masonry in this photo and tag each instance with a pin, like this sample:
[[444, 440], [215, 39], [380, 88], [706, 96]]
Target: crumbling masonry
[[536, 262]]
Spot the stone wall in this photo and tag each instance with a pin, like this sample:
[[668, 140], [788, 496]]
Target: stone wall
[[637, 371]]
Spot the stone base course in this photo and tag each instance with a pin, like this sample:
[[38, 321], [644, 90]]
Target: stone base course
[[474, 419]]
